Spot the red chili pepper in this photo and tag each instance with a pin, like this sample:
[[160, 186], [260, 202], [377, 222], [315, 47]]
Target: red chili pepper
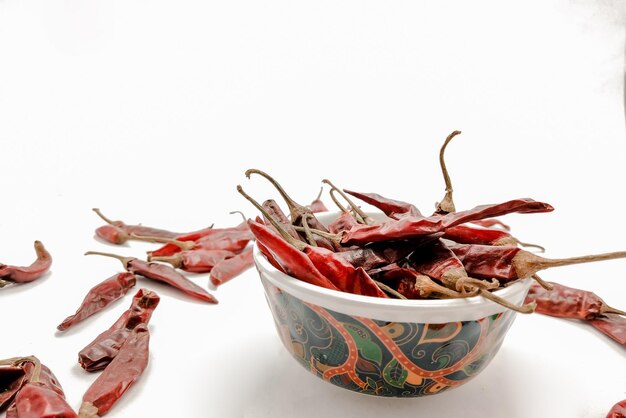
[[568, 302], [618, 410], [343, 274], [99, 297], [161, 273], [267, 253], [464, 234], [290, 259], [413, 285], [317, 205], [511, 263], [277, 213], [344, 222], [171, 249], [113, 234], [195, 261], [12, 377], [37, 269], [42, 396], [101, 351], [232, 267], [120, 375], [411, 227], [394, 209], [612, 325], [490, 223]]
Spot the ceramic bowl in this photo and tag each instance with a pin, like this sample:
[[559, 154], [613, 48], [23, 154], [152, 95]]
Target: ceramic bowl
[[386, 347]]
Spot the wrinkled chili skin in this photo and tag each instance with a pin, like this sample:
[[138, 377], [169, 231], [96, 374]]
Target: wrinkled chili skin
[[412, 227], [565, 302], [230, 268], [463, 234], [30, 273], [435, 260], [37, 400], [120, 375], [166, 274], [344, 222], [342, 274], [618, 410], [103, 349], [292, 261], [612, 325], [486, 261], [279, 216], [99, 297], [171, 249], [404, 282], [202, 261], [394, 209]]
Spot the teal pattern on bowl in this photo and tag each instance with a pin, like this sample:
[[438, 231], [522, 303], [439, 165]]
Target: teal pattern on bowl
[[385, 358]]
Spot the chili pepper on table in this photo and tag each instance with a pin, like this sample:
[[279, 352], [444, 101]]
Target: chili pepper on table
[[161, 273], [195, 261], [612, 325], [15, 274], [119, 375], [41, 395], [99, 297], [105, 347], [229, 268], [618, 410], [568, 302], [511, 263], [412, 227], [171, 248]]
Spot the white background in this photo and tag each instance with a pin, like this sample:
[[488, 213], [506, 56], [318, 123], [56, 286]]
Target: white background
[[153, 110]]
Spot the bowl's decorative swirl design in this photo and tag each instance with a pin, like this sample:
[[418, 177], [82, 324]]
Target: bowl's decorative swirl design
[[382, 358]]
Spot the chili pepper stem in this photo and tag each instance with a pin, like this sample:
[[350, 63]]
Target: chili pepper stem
[[426, 286], [542, 282], [88, 410], [447, 203], [290, 202], [307, 230], [389, 290], [183, 245], [334, 198], [104, 218], [364, 218], [530, 245], [124, 260], [334, 238], [525, 309], [239, 212], [609, 309], [3, 282], [291, 240], [526, 264], [175, 260]]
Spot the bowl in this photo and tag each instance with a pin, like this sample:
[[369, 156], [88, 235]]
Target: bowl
[[386, 347]]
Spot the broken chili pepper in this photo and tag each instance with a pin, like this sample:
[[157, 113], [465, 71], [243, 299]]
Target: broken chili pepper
[[618, 410], [568, 302], [230, 268], [195, 261], [14, 274], [118, 376], [161, 273], [612, 325], [411, 227], [103, 349], [99, 297]]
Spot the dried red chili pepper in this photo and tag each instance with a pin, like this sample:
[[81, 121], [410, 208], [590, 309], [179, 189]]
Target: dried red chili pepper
[[413, 285], [618, 410], [230, 268], [612, 325], [120, 375], [394, 209], [344, 222], [41, 396], [171, 248], [112, 234], [103, 349], [490, 223], [464, 234], [195, 261], [276, 212], [568, 302], [343, 274], [511, 263], [12, 377], [99, 297], [161, 273], [410, 227], [38, 268]]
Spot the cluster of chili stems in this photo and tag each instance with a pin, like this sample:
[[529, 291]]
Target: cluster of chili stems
[[407, 255]]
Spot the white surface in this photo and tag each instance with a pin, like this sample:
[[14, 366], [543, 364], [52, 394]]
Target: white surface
[[153, 110]]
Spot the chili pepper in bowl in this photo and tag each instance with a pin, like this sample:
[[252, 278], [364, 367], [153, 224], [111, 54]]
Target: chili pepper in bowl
[[161, 273], [105, 347], [119, 375], [16, 274], [99, 297], [317, 206]]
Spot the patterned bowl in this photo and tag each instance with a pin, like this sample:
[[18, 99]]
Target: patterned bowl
[[386, 347]]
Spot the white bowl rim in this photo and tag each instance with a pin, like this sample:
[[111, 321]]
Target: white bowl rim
[[414, 310]]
